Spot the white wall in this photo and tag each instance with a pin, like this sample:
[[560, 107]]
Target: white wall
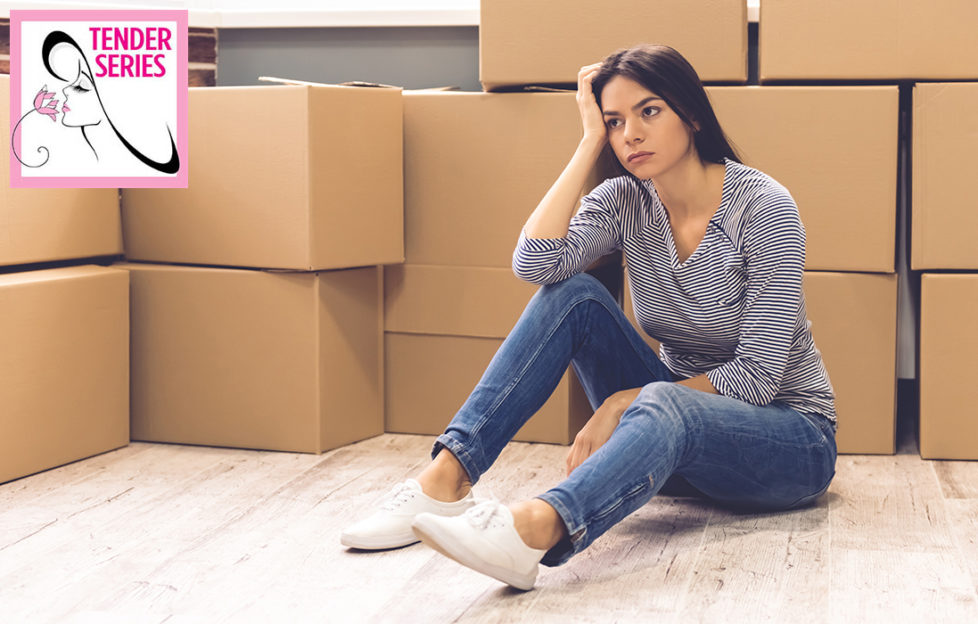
[[301, 13]]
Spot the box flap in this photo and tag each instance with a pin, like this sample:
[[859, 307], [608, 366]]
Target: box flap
[[43, 275], [306, 83]]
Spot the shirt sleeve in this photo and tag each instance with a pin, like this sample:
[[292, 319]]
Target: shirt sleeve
[[593, 232], [774, 250]]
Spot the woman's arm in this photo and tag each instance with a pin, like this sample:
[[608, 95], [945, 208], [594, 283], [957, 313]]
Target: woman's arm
[[556, 243], [553, 214]]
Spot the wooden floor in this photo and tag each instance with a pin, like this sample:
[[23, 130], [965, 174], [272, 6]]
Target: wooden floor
[[164, 533]]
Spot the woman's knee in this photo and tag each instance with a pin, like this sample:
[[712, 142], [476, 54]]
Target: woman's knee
[[659, 408]]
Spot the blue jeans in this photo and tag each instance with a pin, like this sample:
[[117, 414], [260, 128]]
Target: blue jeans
[[738, 454]]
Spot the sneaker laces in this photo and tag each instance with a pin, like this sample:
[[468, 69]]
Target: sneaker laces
[[486, 515], [399, 495]]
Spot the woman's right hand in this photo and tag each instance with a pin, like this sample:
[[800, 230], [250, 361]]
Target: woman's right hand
[[599, 427], [591, 116]]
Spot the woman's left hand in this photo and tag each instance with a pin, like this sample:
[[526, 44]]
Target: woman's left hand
[[599, 428]]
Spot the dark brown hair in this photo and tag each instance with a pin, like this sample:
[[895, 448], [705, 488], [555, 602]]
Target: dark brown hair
[[663, 71]]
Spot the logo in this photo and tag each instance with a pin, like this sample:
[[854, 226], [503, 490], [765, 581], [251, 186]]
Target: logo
[[98, 99]]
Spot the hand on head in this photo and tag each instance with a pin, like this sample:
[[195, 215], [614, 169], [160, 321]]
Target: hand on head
[[591, 116]]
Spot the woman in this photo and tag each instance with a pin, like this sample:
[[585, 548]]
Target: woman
[[739, 405]]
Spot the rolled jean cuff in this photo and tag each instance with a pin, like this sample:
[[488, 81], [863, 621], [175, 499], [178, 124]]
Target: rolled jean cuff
[[576, 533], [457, 449]]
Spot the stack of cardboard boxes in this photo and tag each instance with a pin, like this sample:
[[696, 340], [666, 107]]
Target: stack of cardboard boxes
[[841, 169], [257, 299], [64, 359], [945, 223], [923, 42], [477, 164]]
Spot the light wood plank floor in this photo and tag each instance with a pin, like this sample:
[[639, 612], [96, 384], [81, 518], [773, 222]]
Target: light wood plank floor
[[158, 533]]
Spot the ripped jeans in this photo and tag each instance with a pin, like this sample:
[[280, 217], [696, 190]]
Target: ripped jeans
[[770, 457]]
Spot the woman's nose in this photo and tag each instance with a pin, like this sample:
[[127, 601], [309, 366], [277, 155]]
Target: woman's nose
[[633, 132]]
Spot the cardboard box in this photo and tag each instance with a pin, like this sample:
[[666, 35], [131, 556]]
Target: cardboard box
[[475, 167], [948, 342], [294, 177], [444, 324], [430, 377], [546, 42], [42, 225], [945, 199], [841, 169], [853, 318], [868, 39], [64, 368], [253, 359]]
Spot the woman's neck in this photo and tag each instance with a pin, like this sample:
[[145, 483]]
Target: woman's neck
[[691, 188]]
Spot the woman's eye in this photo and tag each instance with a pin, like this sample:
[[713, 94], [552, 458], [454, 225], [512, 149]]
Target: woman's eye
[[79, 89], [613, 123], [648, 111]]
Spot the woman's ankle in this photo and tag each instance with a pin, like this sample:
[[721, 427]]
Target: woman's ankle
[[538, 524], [444, 479], [443, 490]]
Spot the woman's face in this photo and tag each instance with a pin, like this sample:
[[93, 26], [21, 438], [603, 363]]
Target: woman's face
[[80, 105], [647, 136]]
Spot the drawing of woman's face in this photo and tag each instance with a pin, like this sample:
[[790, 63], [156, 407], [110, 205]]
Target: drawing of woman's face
[[81, 106]]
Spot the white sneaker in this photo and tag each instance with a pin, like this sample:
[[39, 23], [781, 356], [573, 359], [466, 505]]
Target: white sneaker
[[390, 527], [484, 539]]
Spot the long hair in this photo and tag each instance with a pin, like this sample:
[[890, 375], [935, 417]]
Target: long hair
[[663, 71]]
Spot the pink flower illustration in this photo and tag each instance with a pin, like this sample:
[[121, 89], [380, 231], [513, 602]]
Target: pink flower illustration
[[45, 104]]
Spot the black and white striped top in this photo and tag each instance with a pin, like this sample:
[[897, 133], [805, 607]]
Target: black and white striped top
[[734, 309]]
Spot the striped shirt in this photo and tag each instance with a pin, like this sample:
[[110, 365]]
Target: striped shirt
[[733, 310]]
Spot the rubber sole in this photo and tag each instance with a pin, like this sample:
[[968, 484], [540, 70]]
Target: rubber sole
[[386, 543], [432, 535]]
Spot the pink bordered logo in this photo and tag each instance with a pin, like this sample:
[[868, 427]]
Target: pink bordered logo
[[98, 99]]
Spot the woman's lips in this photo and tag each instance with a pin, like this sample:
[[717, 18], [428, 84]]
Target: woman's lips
[[65, 109], [639, 156]]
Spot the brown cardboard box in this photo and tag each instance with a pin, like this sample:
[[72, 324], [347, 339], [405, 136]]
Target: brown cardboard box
[[475, 167], [64, 368], [853, 318], [293, 177], [443, 326], [868, 39], [945, 199], [449, 300], [947, 373], [430, 377], [253, 359], [546, 42], [840, 168], [41, 225]]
